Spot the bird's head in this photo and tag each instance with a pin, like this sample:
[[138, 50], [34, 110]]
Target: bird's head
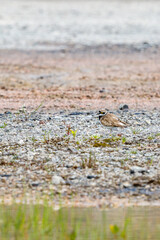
[[101, 114]]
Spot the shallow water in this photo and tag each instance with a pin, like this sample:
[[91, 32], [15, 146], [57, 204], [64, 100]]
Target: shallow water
[[42, 222], [47, 24], [141, 223]]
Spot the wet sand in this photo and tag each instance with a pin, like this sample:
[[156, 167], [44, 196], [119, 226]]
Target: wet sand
[[81, 78]]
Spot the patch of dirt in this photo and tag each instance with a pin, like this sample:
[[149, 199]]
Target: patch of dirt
[[82, 80]]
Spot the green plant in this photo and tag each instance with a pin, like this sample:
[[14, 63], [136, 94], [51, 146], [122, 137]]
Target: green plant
[[135, 131], [157, 134], [133, 152], [117, 232], [122, 162], [36, 109], [34, 139], [150, 161], [89, 162], [95, 137], [123, 139], [46, 137], [40, 221], [73, 133], [4, 125], [150, 137], [15, 157], [114, 229], [106, 142], [77, 142]]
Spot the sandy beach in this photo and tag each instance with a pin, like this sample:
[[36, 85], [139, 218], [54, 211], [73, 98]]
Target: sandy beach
[[84, 78]]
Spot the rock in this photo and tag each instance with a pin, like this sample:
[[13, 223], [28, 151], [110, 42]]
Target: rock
[[137, 113], [5, 175], [92, 177], [75, 162], [148, 122], [34, 184], [73, 177], [123, 107], [57, 180], [8, 113], [75, 113], [21, 142], [72, 150], [137, 169], [126, 185], [20, 170], [146, 45], [102, 90]]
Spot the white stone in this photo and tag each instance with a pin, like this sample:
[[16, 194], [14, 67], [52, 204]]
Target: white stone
[[57, 180], [21, 142]]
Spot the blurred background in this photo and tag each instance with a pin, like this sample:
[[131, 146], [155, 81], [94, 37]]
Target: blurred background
[[50, 24]]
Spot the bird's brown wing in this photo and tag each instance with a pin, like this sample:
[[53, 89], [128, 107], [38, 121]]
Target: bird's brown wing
[[111, 120]]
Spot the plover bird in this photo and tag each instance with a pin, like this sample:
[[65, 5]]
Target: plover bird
[[111, 120]]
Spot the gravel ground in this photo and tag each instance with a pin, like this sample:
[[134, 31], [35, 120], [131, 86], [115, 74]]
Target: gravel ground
[[72, 156]]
